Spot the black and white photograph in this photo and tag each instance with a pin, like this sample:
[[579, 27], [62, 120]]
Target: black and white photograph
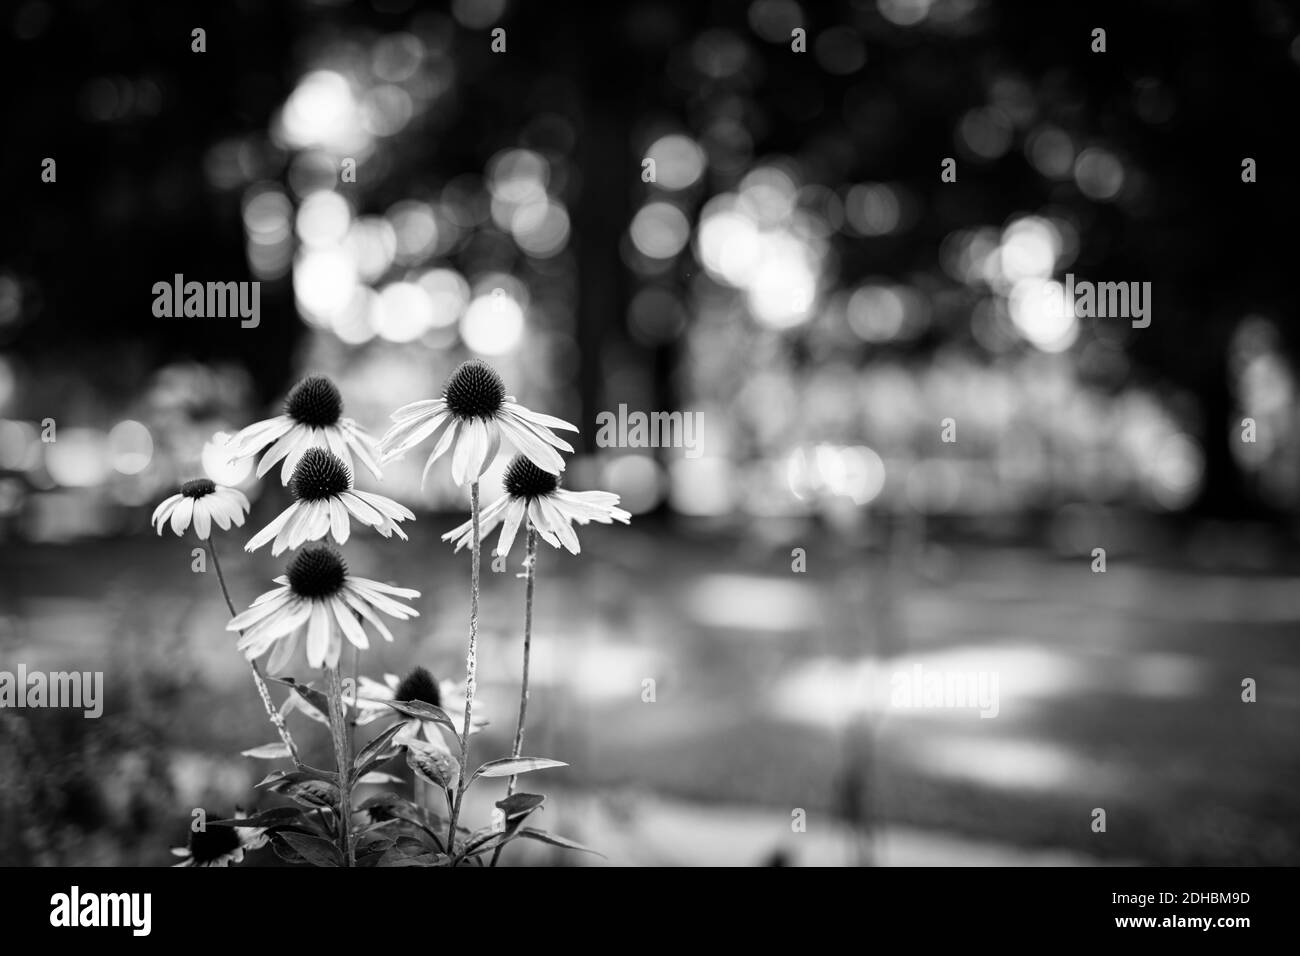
[[653, 434]]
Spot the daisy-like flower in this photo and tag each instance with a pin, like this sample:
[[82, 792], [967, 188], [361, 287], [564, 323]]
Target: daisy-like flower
[[324, 501], [220, 846], [469, 421], [313, 418], [201, 502], [537, 495], [422, 686], [317, 597]]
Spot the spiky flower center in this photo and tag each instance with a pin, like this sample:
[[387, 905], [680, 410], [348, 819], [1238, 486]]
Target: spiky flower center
[[314, 401], [526, 480], [319, 474], [198, 488], [211, 844], [474, 390], [316, 572], [419, 685]]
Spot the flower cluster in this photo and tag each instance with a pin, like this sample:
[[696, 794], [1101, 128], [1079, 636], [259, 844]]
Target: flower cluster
[[320, 606]]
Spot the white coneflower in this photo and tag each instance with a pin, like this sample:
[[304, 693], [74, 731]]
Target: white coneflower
[[220, 846], [313, 418], [469, 421], [317, 597], [324, 502], [550, 509], [201, 502], [422, 686]]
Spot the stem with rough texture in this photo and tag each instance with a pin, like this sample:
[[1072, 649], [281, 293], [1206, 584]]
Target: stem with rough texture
[[340, 733], [262, 690], [471, 670], [530, 570]]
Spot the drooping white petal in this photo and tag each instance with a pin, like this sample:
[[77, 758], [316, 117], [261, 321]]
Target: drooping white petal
[[359, 604], [361, 510], [280, 448], [348, 622], [514, 516], [202, 518], [181, 515], [560, 525], [272, 529], [166, 506], [283, 653], [541, 523], [260, 611], [318, 634], [542, 432], [428, 406], [530, 446], [537, 418], [340, 527]]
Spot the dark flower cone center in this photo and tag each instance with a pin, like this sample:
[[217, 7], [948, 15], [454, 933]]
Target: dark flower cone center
[[316, 572], [198, 488], [474, 390], [210, 845], [419, 685], [526, 480], [314, 401], [319, 474]]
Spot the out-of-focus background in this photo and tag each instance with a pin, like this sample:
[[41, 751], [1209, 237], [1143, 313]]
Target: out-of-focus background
[[798, 274]]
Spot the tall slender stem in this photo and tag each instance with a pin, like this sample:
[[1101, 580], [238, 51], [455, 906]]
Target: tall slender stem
[[262, 690], [471, 671], [340, 733], [530, 572]]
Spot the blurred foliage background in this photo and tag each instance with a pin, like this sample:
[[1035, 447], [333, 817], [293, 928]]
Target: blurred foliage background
[[798, 274]]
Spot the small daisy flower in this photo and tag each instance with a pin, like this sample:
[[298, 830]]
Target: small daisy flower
[[220, 846], [422, 686], [317, 597], [324, 502], [313, 418], [469, 421], [550, 509], [202, 502]]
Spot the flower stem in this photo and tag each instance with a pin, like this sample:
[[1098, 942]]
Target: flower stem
[[340, 734], [262, 690], [471, 671], [530, 570]]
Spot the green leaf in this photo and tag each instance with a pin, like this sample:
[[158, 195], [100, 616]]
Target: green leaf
[[375, 752], [280, 777], [276, 751], [313, 849], [312, 793], [509, 766], [520, 804], [431, 764], [385, 800], [286, 852], [543, 837], [267, 818], [422, 711], [314, 697]]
